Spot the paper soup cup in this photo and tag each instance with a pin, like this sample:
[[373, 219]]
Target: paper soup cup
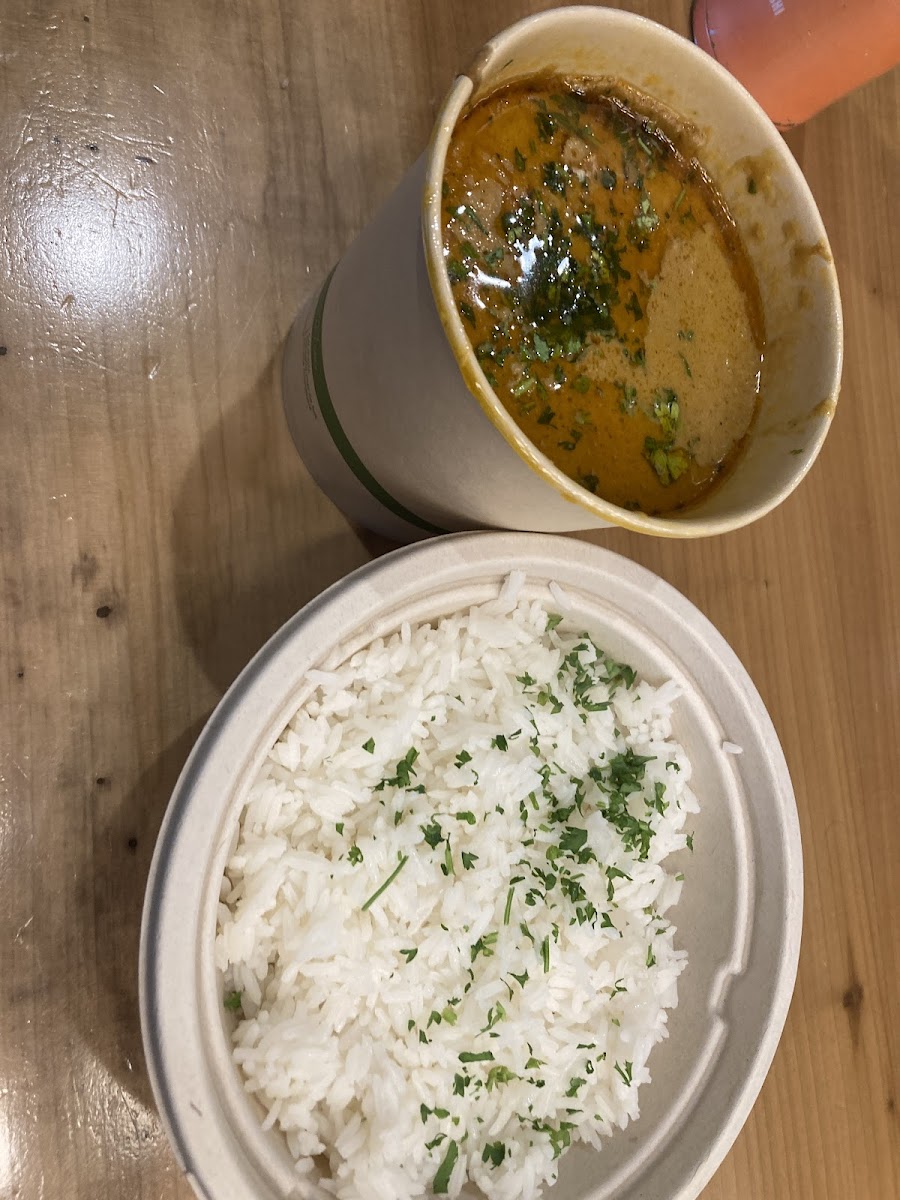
[[386, 401]]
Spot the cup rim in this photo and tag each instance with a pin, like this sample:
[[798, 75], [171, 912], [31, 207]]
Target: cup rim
[[692, 522]]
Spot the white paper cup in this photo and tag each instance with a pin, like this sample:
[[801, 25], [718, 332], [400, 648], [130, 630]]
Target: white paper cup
[[386, 401]]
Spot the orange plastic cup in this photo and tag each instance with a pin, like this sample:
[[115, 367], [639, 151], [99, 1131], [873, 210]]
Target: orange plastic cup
[[797, 56]]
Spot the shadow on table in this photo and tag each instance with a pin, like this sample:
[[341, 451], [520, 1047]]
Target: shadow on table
[[254, 538], [108, 909]]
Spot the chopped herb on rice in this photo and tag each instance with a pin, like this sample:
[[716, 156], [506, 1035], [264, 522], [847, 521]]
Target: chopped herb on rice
[[479, 866]]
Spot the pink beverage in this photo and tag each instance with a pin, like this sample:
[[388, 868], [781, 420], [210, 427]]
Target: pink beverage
[[797, 56]]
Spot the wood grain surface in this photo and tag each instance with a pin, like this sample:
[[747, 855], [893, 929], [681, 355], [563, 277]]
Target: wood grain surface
[[176, 178]]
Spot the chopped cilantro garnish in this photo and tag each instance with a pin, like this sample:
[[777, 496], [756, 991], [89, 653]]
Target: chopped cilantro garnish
[[626, 1073], [433, 834], [474, 218], [556, 177], [669, 462], [498, 1075], [628, 403], [658, 802], [509, 901], [387, 883], [403, 771], [494, 1153], [232, 1001], [541, 348], [355, 855], [474, 1056], [667, 411], [644, 222], [546, 126], [484, 945], [468, 860], [409, 955], [441, 1181], [369, 746], [560, 1138], [495, 1013], [447, 864], [573, 840]]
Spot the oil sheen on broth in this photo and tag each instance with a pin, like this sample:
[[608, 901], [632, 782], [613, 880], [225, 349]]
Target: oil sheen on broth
[[605, 291]]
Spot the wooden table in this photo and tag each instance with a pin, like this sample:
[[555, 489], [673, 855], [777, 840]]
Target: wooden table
[[177, 177]]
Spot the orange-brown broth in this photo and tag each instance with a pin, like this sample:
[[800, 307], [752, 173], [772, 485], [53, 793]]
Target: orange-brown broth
[[605, 291]]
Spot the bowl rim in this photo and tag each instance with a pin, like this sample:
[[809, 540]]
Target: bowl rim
[[189, 1099], [692, 523]]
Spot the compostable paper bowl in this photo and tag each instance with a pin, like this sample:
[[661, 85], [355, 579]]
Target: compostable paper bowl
[[386, 401], [739, 917]]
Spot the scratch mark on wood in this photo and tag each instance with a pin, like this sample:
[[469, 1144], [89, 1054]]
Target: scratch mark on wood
[[852, 999], [84, 571]]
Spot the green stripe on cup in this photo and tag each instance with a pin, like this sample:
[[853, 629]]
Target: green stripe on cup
[[339, 437]]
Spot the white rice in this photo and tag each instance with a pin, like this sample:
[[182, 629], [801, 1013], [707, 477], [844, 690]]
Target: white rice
[[358, 1018]]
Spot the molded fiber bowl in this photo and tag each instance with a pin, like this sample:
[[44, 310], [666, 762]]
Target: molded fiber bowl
[[739, 916]]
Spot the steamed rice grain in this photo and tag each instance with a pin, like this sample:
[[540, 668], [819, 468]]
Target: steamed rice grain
[[443, 922]]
